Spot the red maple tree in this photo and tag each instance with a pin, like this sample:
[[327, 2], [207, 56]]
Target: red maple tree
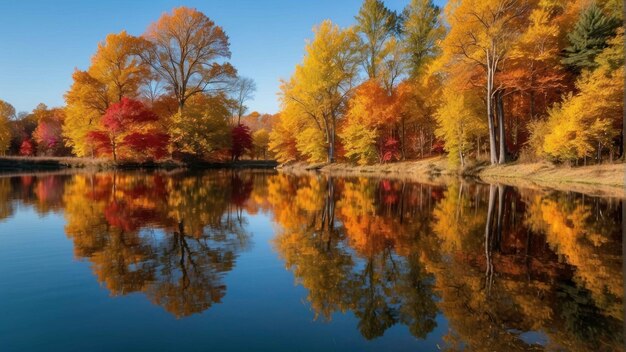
[[241, 141], [128, 126]]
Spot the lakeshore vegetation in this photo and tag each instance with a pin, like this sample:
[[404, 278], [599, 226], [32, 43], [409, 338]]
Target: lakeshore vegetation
[[487, 80]]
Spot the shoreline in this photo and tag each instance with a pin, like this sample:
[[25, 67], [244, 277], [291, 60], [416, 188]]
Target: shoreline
[[9, 164], [599, 180]]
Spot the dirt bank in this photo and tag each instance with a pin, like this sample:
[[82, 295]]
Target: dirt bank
[[605, 180]]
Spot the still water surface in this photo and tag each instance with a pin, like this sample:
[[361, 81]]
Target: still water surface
[[242, 261]]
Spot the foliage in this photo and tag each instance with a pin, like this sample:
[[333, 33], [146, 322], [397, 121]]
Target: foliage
[[241, 141], [376, 24], [7, 112], [185, 50], [370, 110], [27, 148], [260, 142], [459, 123], [203, 128], [282, 140], [129, 130], [422, 32], [48, 133], [588, 38], [317, 94], [589, 120], [116, 71]]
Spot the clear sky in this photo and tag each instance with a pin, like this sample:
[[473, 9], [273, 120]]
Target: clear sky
[[41, 42]]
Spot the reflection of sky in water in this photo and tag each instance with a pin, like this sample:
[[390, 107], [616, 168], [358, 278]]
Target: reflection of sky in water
[[534, 338]]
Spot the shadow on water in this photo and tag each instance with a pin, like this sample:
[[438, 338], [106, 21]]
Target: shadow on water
[[508, 269]]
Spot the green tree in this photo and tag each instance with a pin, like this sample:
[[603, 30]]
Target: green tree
[[422, 31], [376, 24], [588, 38]]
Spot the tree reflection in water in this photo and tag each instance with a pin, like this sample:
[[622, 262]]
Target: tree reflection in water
[[172, 237], [495, 261]]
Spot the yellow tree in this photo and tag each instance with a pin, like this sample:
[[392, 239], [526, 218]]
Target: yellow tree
[[116, 71], [186, 52], [459, 123], [282, 141], [260, 139], [589, 120], [203, 128], [317, 93], [481, 34], [7, 112]]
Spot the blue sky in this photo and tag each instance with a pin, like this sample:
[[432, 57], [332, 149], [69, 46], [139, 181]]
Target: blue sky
[[41, 42]]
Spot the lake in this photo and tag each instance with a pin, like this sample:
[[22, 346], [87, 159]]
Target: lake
[[256, 260]]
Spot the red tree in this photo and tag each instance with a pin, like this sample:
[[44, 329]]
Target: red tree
[[27, 148], [242, 141], [128, 126], [47, 134]]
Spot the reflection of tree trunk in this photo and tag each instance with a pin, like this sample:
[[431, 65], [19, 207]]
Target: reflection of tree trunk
[[488, 223], [500, 220], [402, 203], [328, 212]]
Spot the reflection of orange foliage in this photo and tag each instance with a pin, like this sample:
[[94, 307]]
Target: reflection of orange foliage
[[592, 248], [368, 232], [181, 270]]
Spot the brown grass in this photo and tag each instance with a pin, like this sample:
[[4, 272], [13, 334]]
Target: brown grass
[[605, 180]]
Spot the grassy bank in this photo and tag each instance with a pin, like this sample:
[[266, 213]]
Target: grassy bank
[[606, 180], [17, 164]]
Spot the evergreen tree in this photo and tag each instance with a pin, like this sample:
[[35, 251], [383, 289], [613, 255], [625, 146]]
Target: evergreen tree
[[588, 38]]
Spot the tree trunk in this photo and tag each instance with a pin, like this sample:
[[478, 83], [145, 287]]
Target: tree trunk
[[492, 135], [502, 134], [331, 146], [403, 139]]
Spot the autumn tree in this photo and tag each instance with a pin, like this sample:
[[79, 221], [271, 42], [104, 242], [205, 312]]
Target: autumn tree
[[7, 112], [203, 128], [370, 110], [27, 148], [416, 101], [128, 128], [241, 141], [590, 120], [481, 35], [316, 95], [260, 141], [459, 124], [282, 141], [116, 71], [186, 51], [48, 134]]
